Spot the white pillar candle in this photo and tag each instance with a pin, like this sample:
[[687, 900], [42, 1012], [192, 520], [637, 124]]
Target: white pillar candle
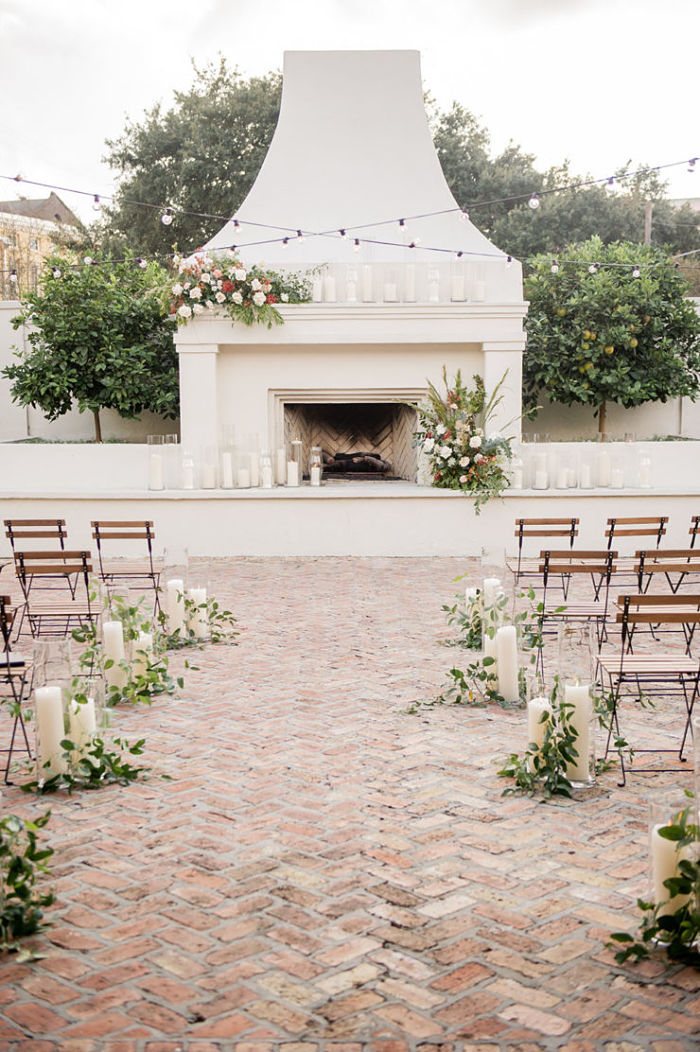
[[329, 295], [113, 635], [226, 471], [665, 857], [434, 286], [541, 480], [490, 593], [516, 476], [292, 473], [243, 478], [645, 473], [367, 283], [49, 724], [315, 475], [351, 287], [317, 290], [536, 708], [143, 656], [254, 468], [489, 646], [281, 467], [156, 476], [410, 286], [188, 475], [266, 476], [571, 478], [457, 287], [175, 605], [617, 478], [198, 620], [507, 659], [479, 291], [585, 477], [83, 723], [580, 719], [208, 476], [561, 478], [391, 292]]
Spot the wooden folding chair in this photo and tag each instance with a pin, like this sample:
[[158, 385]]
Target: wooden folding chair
[[694, 529], [556, 566], [135, 573], [651, 526], [62, 611], [24, 533], [679, 567], [527, 529], [658, 669], [14, 682]]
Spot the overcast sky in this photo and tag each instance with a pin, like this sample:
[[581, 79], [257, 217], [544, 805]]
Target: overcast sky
[[597, 82]]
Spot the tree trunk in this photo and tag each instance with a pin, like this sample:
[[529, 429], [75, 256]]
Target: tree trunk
[[98, 425], [602, 419]]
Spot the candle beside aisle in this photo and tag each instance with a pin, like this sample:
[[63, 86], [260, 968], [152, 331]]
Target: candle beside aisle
[[50, 732], [579, 696], [143, 654], [83, 723], [198, 621], [175, 605], [113, 636], [536, 727], [507, 663]]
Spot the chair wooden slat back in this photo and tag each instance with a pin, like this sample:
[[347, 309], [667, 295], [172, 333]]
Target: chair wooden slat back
[[526, 529], [19, 531], [653, 526], [124, 530], [57, 563]]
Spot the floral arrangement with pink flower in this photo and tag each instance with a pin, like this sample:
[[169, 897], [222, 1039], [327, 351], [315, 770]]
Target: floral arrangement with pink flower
[[210, 282]]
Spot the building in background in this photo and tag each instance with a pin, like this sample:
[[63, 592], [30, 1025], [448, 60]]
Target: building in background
[[28, 234]]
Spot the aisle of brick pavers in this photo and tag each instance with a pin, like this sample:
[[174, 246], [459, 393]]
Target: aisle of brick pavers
[[324, 871]]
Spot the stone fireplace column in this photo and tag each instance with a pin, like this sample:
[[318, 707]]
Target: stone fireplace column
[[198, 402], [500, 357]]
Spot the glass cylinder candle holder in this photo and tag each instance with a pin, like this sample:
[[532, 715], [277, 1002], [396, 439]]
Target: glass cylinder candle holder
[[351, 285], [172, 461], [266, 470], [433, 285], [86, 716], [52, 665], [617, 472], [673, 837], [315, 466], [187, 471], [586, 471], [517, 473], [196, 603], [603, 468], [226, 468], [576, 675], [156, 461], [391, 285], [294, 465], [173, 580], [209, 456], [539, 708], [644, 470], [242, 464]]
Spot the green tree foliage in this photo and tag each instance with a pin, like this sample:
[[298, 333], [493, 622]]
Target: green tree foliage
[[594, 338], [100, 337], [202, 156]]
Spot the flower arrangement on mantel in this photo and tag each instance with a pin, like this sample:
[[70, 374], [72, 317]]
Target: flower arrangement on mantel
[[209, 282], [452, 435]]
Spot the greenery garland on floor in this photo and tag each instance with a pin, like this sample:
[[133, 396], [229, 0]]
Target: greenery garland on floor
[[22, 862]]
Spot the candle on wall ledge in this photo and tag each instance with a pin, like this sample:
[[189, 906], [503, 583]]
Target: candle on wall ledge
[[586, 477], [604, 470], [317, 289], [156, 474], [243, 478], [391, 292], [410, 283], [617, 478], [292, 473], [265, 470], [479, 291], [281, 467], [433, 286], [254, 468], [351, 286], [187, 471], [457, 293], [208, 476], [226, 471], [329, 293], [48, 702], [367, 283]]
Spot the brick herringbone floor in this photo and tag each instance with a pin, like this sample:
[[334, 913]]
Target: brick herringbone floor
[[323, 871]]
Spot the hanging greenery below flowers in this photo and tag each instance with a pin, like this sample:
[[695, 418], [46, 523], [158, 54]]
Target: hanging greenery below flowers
[[452, 435], [208, 282]]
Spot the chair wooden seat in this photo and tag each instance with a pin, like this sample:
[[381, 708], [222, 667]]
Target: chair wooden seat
[[62, 611], [677, 565]]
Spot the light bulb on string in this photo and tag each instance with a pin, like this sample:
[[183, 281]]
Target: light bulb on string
[[236, 225], [593, 268], [141, 262], [458, 254], [343, 233], [356, 245], [96, 203], [534, 202], [55, 273], [13, 277], [464, 215], [167, 217], [691, 164], [636, 273], [300, 236], [554, 267], [285, 242], [412, 244], [509, 261], [610, 186]]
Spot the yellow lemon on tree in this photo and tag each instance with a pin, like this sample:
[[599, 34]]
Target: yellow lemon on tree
[[634, 342], [609, 349], [586, 346], [587, 334], [561, 312]]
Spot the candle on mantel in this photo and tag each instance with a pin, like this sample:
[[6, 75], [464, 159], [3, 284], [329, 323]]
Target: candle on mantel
[[292, 473], [391, 292], [536, 727], [113, 636], [243, 478], [83, 723], [367, 283], [175, 605], [226, 471], [507, 663], [317, 290], [457, 288], [329, 295], [315, 475], [351, 287], [604, 469], [188, 474], [281, 467], [410, 276], [579, 696], [156, 476], [208, 476], [143, 656], [479, 291], [617, 478], [48, 702], [254, 468], [266, 472], [198, 620], [586, 477]]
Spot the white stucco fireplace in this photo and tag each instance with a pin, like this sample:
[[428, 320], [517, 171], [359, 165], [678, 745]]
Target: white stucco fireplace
[[392, 301]]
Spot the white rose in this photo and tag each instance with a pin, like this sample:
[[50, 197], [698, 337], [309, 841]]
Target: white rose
[[463, 479], [451, 462], [284, 296], [428, 445], [240, 274], [195, 293], [258, 298], [186, 285], [464, 462], [184, 311], [475, 442], [177, 289], [236, 297], [445, 452], [220, 298], [441, 429], [255, 285], [206, 278], [198, 308]]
